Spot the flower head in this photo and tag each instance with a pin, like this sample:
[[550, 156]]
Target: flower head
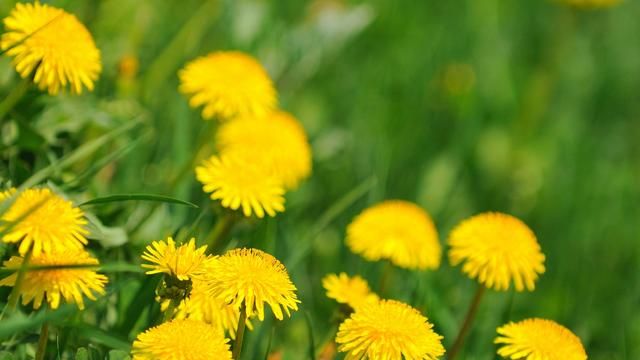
[[54, 44], [277, 139], [497, 249], [539, 339], [396, 230], [388, 330], [184, 339], [44, 220], [353, 291], [238, 182], [182, 262], [69, 283], [251, 277], [228, 84]]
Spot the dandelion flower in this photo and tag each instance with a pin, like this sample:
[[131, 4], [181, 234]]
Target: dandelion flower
[[497, 249], [388, 330], [228, 84], [201, 306], [53, 44], [591, 4], [182, 262], [353, 291], [396, 230], [45, 221], [69, 284], [238, 182], [251, 278], [185, 339], [7, 194], [277, 139], [539, 339]]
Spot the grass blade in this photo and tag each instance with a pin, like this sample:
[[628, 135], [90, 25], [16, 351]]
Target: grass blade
[[137, 197]]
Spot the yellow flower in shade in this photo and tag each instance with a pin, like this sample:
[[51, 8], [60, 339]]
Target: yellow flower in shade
[[353, 291], [228, 84], [277, 139], [181, 340], [238, 182], [591, 4], [251, 277], [539, 339], [497, 249], [182, 262], [388, 330], [201, 306], [396, 230], [45, 221], [53, 44], [69, 283]]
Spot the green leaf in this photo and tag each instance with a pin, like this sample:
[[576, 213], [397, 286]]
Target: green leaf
[[82, 354], [312, 342], [99, 336], [138, 197], [119, 355], [5, 355]]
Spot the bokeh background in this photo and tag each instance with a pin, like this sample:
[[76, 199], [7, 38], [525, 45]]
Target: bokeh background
[[463, 106]]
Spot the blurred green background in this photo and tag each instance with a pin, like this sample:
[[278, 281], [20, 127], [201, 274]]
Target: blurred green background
[[463, 106]]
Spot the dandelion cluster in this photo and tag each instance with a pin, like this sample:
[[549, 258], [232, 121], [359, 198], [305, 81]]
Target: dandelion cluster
[[388, 330], [533, 339], [398, 231], [497, 249], [51, 46]]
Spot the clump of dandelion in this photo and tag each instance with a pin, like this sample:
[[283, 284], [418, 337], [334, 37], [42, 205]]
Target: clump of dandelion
[[497, 249], [534, 339], [68, 275], [388, 329], [277, 139], [352, 291], [239, 182], [251, 278], [40, 220], [52, 46], [228, 84], [181, 339], [396, 230]]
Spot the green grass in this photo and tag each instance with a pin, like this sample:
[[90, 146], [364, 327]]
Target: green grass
[[541, 122]]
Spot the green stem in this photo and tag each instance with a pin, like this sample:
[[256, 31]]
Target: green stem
[[15, 292], [220, 231], [237, 344], [168, 314], [42, 341], [14, 96], [385, 278], [466, 325]]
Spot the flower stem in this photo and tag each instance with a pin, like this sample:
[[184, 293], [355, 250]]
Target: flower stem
[[42, 341], [15, 292], [468, 320], [237, 344], [220, 231], [14, 96], [385, 277]]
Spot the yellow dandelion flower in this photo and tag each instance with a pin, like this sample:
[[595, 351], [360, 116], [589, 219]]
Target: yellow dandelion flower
[[69, 284], [201, 306], [228, 84], [388, 330], [185, 339], [238, 182], [396, 230], [7, 194], [497, 249], [182, 262], [591, 4], [54, 44], [277, 139], [251, 277], [45, 221], [539, 339], [353, 291]]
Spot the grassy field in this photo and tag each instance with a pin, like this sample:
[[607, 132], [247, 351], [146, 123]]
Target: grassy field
[[529, 108]]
